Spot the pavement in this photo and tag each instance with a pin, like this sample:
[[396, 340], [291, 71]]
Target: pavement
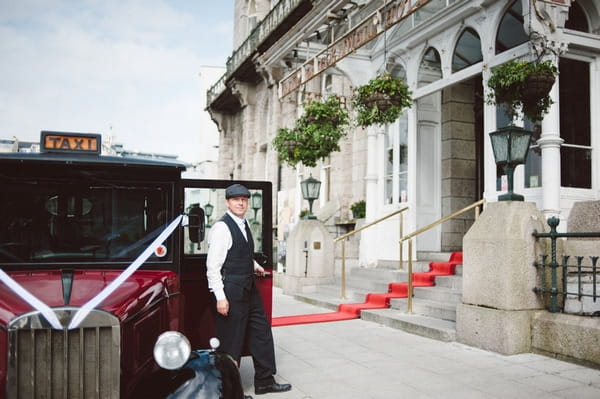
[[358, 359]]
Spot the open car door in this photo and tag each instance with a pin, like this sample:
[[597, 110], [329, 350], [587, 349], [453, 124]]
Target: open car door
[[206, 199]]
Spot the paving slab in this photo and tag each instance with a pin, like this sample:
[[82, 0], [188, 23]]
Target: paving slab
[[365, 360]]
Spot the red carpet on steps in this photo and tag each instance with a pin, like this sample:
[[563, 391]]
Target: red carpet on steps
[[348, 311]]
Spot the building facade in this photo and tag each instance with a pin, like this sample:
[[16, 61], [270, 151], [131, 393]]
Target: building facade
[[437, 157]]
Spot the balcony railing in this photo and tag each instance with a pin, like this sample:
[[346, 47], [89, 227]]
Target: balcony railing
[[269, 23], [424, 10]]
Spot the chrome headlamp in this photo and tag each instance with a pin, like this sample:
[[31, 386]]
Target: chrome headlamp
[[172, 350]]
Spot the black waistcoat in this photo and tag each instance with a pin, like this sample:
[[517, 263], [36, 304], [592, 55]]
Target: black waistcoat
[[239, 264]]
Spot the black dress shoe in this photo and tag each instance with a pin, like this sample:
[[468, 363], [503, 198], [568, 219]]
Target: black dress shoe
[[247, 397], [274, 387]]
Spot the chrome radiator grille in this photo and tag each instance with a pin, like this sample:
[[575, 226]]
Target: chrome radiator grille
[[80, 363]]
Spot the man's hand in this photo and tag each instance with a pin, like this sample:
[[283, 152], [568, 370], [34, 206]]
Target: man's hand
[[259, 270], [223, 307]]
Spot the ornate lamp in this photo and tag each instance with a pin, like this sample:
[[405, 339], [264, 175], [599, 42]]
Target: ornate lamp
[[255, 204], [511, 146], [310, 192], [208, 210]]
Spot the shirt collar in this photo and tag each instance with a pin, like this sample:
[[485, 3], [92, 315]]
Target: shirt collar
[[238, 220]]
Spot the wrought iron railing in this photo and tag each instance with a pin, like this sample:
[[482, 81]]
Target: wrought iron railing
[[558, 286]]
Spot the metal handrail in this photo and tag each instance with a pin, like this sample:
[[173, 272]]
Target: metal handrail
[[410, 236], [353, 232], [446, 218]]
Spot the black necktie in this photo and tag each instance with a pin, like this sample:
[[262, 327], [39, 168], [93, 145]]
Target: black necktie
[[248, 233]]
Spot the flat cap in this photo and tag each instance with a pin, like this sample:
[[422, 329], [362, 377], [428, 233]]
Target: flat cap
[[236, 190]]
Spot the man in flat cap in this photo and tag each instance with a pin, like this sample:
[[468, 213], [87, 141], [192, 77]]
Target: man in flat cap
[[230, 271]]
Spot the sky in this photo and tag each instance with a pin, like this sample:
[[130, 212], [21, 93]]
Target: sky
[[136, 70]]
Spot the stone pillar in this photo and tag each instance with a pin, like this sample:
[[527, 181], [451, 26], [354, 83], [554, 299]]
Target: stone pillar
[[498, 277], [369, 239], [309, 257], [459, 166]]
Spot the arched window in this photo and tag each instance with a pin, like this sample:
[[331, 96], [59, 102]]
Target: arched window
[[577, 20], [467, 51], [430, 69], [511, 32]]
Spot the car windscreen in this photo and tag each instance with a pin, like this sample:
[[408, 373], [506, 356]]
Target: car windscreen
[[75, 221]]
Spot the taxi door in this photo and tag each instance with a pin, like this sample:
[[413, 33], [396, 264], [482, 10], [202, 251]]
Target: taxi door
[[209, 196]]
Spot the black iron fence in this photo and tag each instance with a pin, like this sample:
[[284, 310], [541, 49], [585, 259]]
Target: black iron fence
[[575, 277]]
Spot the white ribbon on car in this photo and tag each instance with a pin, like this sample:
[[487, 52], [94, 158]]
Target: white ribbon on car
[[81, 314], [110, 288], [44, 309]]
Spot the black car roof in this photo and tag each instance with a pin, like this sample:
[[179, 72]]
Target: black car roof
[[86, 159]]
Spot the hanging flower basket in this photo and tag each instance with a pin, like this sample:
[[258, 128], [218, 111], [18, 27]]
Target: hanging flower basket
[[290, 146], [315, 135], [330, 110], [522, 85], [537, 86], [381, 101]]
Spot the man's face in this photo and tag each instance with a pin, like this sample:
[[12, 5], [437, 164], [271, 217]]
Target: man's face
[[238, 206]]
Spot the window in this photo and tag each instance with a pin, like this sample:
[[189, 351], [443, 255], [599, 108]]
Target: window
[[533, 165], [467, 51], [75, 222], [396, 161], [212, 201], [430, 69], [396, 154], [575, 126], [510, 31], [577, 20]]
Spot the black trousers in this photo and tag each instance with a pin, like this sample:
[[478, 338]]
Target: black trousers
[[246, 327]]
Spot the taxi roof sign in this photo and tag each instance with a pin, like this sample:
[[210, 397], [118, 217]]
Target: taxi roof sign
[[73, 143]]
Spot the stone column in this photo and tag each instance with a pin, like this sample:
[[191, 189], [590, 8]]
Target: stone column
[[368, 241], [498, 277], [550, 143], [309, 257]]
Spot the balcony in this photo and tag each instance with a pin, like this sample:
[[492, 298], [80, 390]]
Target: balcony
[[343, 25], [282, 16]]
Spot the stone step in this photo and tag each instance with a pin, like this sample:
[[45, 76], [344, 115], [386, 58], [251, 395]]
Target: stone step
[[424, 307], [378, 274], [442, 330], [438, 294], [454, 282], [434, 256], [362, 285], [329, 296], [433, 308]]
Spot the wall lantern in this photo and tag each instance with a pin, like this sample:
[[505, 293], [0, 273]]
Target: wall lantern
[[510, 145], [310, 192], [208, 210], [255, 204]]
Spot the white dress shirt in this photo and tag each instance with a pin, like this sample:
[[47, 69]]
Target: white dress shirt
[[219, 243]]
